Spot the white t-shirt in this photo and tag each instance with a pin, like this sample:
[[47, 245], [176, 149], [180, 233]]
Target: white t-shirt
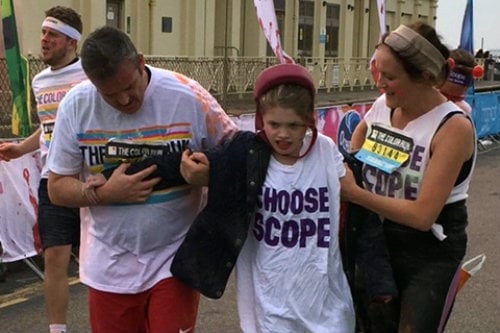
[[405, 182], [129, 248], [289, 273], [49, 87]]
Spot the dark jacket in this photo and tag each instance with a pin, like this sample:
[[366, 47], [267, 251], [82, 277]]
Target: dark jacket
[[206, 257], [364, 252]]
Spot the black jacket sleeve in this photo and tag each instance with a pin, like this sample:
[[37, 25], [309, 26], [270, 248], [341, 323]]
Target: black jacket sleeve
[[168, 170]]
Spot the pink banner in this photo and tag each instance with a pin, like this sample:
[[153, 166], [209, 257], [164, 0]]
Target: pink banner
[[328, 118]]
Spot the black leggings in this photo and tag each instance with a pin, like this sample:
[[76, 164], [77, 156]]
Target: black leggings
[[423, 268]]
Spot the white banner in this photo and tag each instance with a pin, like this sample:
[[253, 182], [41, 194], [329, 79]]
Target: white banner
[[19, 180], [381, 16], [383, 30], [269, 25]]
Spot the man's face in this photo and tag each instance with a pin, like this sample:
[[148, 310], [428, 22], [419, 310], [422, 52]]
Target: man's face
[[125, 90], [56, 47]]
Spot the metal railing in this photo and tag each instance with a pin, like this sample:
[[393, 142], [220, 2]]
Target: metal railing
[[228, 79]]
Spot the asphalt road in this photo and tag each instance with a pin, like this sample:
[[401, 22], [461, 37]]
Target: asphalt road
[[477, 308]]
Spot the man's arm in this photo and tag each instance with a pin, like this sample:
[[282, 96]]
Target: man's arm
[[12, 150], [68, 190]]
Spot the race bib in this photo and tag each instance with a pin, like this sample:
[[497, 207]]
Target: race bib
[[385, 149], [48, 128]]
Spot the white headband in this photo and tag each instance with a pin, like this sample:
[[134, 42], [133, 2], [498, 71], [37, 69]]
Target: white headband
[[58, 25]]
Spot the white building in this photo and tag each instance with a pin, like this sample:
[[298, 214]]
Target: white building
[[206, 28]]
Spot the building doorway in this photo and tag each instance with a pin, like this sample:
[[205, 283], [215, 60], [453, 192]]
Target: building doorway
[[114, 13]]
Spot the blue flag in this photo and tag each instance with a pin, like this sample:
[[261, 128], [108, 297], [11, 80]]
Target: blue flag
[[467, 36]]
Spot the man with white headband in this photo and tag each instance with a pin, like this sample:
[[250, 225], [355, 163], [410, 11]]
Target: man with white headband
[[59, 226], [55, 24]]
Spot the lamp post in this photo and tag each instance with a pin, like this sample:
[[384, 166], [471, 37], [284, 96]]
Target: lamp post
[[225, 76]]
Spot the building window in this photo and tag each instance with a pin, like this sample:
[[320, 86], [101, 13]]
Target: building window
[[332, 30], [113, 13], [306, 24], [279, 5], [166, 24]]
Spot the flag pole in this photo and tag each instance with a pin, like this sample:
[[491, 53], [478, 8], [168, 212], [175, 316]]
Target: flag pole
[[467, 35]]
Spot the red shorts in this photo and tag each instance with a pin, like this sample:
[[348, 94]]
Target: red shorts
[[170, 306]]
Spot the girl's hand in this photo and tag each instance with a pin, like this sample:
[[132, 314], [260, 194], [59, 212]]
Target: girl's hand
[[195, 168]]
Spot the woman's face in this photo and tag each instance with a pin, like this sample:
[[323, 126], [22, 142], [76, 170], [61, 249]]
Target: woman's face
[[285, 131], [399, 88]]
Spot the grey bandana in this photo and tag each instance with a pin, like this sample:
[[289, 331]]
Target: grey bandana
[[420, 52]]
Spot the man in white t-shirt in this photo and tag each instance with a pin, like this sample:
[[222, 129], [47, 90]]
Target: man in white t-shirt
[[59, 226], [131, 231]]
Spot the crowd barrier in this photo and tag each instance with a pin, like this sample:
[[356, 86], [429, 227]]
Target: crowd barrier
[[19, 179], [486, 113]]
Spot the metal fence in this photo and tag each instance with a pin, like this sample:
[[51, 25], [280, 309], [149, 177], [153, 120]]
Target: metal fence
[[35, 66], [228, 79]]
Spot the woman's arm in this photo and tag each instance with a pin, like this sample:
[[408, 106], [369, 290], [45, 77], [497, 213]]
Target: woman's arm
[[358, 136], [451, 147]]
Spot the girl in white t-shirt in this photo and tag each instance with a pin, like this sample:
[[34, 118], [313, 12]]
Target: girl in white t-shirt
[[289, 273]]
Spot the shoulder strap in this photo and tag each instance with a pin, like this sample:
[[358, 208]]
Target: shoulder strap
[[466, 167], [448, 116]]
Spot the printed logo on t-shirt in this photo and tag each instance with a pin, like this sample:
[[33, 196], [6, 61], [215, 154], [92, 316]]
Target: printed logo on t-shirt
[[401, 183], [125, 151], [293, 219], [52, 97], [139, 144]]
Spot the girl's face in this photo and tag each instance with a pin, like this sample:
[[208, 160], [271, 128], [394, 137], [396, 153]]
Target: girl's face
[[393, 79], [285, 131]]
